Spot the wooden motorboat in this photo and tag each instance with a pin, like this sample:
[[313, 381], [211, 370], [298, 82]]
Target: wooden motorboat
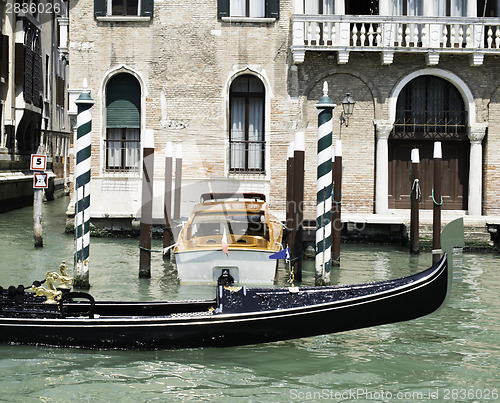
[[237, 316], [232, 234]]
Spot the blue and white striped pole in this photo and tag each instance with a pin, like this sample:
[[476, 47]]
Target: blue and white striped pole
[[82, 187], [325, 108]]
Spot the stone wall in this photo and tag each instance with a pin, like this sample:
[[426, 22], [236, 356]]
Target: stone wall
[[185, 59]]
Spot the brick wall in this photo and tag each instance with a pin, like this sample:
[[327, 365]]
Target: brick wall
[[187, 57]]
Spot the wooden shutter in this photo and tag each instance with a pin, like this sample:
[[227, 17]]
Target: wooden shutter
[[4, 64], [100, 8], [19, 70], [273, 8], [123, 102], [147, 7], [222, 8]]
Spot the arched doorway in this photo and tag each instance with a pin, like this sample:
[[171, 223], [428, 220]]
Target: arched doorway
[[429, 109]]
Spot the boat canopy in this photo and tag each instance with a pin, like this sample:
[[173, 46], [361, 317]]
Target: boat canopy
[[236, 223]]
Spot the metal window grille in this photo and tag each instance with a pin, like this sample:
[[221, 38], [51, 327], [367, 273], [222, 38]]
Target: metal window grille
[[122, 154], [430, 108]]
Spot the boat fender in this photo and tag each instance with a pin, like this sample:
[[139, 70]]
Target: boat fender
[[293, 290], [11, 291], [19, 296]]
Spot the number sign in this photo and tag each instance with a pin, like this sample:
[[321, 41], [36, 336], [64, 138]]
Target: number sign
[[40, 180], [38, 162]]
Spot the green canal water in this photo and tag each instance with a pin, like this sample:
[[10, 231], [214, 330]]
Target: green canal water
[[453, 355]]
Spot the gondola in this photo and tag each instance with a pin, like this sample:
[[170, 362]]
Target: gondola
[[237, 316]]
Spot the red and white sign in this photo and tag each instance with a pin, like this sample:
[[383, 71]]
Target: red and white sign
[[38, 162], [40, 180]]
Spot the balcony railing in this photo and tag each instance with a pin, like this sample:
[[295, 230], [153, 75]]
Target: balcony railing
[[430, 35]]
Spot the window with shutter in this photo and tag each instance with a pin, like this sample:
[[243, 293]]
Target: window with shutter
[[247, 142], [248, 8], [123, 121], [123, 8]]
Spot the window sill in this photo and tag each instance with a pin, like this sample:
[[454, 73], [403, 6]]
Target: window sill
[[259, 20], [122, 18]]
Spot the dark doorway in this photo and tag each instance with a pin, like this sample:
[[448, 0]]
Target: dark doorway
[[356, 7]]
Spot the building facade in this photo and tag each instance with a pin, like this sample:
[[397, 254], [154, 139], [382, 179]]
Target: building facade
[[33, 98], [232, 81]]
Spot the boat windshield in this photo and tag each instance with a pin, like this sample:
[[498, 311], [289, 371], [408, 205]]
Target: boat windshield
[[239, 224]]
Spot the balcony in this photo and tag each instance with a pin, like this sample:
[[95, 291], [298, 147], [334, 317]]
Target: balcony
[[432, 36]]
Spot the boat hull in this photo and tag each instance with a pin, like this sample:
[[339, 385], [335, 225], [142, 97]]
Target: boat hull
[[239, 315], [245, 266]]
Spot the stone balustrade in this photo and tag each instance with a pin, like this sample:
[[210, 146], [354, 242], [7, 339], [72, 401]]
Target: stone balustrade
[[431, 35]]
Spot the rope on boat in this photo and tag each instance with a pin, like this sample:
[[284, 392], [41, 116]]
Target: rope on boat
[[164, 250]]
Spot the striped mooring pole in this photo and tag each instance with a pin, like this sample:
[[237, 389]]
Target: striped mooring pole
[[82, 187], [325, 108]]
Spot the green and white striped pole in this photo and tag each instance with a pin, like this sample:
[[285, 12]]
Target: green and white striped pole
[[325, 108], [82, 187]]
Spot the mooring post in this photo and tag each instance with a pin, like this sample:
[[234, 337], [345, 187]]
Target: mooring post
[[82, 187], [167, 201], [290, 208], [177, 192], [437, 201], [37, 217], [325, 108], [146, 225], [337, 203], [298, 202], [415, 196]]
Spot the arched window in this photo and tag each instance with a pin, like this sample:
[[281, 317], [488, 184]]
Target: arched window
[[246, 133], [430, 107], [123, 122]]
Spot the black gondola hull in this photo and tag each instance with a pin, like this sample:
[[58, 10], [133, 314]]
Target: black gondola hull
[[238, 316]]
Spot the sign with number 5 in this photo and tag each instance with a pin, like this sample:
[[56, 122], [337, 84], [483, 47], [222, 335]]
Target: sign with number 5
[[38, 162]]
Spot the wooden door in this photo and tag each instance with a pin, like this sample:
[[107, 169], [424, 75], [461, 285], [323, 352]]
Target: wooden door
[[455, 173]]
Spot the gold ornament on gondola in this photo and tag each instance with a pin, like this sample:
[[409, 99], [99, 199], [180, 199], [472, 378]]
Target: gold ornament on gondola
[[52, 296], [55, 282]]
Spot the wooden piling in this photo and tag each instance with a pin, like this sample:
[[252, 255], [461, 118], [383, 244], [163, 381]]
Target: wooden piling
[[298, 202], [167, 201], [177, 192], [337, 203], [415, 196], [146, 205], [289, 186], [37, 217], [437, 202], [290, 208]]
